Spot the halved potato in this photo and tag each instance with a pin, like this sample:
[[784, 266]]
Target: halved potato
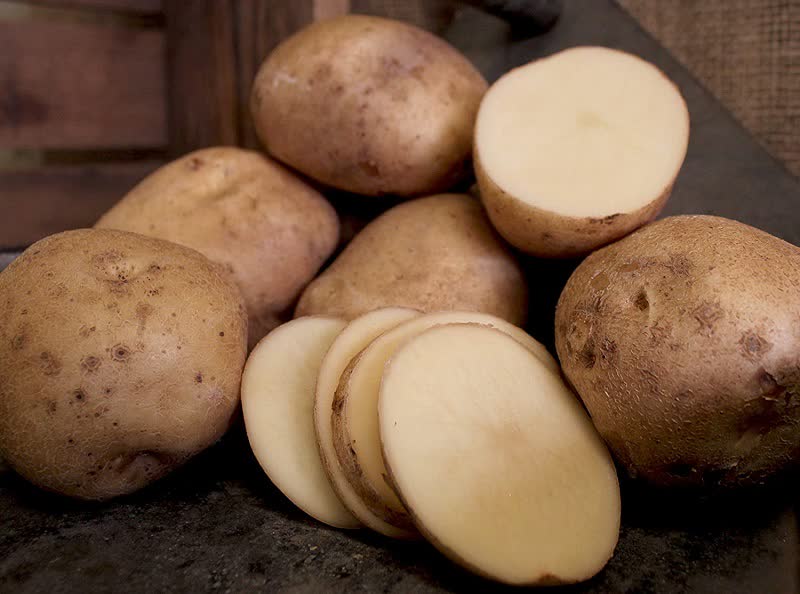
[[357, 335], [496, 459], [355, 419], [578, 149], [277, 402]]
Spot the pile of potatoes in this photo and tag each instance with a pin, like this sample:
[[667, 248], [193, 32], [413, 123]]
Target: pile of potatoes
[[404, 396]]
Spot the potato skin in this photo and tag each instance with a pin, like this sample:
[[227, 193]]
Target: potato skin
[[120, 358], [369, 105], [270, 231], [550, 235], [431, 254], [683, 340]]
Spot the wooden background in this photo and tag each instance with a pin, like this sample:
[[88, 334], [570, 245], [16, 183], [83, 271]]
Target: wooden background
[[94, 94]]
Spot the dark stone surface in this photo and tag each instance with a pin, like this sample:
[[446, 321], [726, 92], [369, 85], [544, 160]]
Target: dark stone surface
[[219, 525]]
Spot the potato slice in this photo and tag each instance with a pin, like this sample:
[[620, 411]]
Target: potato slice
[[496, 459], [578, 149], [277, 402], [355, 419], [357, 335]]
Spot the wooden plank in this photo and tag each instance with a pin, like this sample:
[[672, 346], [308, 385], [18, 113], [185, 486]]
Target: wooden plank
[[327, 9], [66, 85], [215, 49], [134, 6], [35, 203], [203, 104]]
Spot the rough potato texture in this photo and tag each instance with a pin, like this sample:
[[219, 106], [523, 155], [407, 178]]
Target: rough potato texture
[[550, 235], [270, 231], [120, 357], [431, 254], [683, 340], [369, 105]]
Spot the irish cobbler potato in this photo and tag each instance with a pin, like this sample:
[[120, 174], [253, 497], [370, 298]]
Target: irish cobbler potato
[[431, 254], [683, 340], [120, 358], [268, 229], [369, 105]]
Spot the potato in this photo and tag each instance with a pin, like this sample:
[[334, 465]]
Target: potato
[[369, 105], [120, 358], [683, 342], [495, 458], [431, 254], [278, 402], [354, 418], [269, 230], [578, 149], [351, 341]]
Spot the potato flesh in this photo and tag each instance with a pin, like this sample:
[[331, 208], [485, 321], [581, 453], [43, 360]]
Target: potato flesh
[[588, 132], [357, 335], [277, 402], [496, 459], [355, 426]]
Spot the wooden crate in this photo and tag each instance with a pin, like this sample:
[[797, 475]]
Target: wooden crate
[[98, 93]]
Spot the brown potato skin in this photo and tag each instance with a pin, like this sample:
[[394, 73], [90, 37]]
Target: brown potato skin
[[550, 235], [431, 254], [270, 231], [349, 463], [120, 358], [683, 340], [369, 105]]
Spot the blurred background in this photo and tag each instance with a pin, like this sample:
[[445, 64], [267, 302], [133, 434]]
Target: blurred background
[[95, 94]]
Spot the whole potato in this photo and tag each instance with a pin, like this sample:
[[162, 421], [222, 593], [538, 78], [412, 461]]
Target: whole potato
[[369, 105], [683, 340], [269, 230], [431, 254], [120, 358]]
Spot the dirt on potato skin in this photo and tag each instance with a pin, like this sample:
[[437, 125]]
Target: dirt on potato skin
[[683, 341]]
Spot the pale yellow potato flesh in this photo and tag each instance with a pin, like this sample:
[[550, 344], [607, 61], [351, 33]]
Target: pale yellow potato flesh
[[355, 421], [587, 132], [277, 402], [495, 458], [355, 337]]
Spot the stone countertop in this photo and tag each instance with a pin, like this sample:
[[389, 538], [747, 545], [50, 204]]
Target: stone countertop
[[219, 525]]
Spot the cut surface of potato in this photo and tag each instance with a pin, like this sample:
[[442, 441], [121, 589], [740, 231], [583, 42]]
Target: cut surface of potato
[[357, 335], [496, 459], [585, 144], [277, 402], [355, 420]]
